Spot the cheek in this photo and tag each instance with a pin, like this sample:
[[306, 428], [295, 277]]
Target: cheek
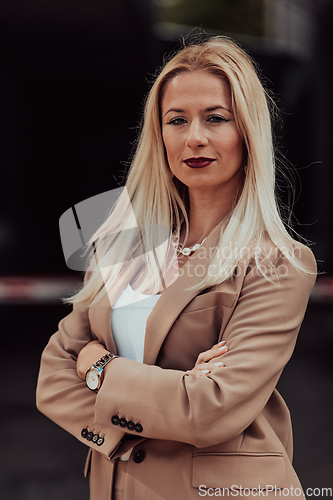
[[170, 144], [233, 145], [239, 148]]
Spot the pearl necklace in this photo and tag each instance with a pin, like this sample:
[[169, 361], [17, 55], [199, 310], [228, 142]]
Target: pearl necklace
[[185, 251]]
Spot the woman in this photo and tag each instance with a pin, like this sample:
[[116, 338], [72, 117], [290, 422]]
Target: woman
[[227, 295]]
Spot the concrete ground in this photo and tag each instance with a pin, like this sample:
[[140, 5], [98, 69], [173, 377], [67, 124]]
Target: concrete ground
[[40, 461]]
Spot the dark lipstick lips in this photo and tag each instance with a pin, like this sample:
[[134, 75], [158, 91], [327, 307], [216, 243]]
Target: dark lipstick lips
[[198, 162]]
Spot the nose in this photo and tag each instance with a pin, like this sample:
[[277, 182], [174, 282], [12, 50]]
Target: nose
[[197, 136]]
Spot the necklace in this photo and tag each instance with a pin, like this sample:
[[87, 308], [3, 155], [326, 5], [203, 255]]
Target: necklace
[[185, 250]]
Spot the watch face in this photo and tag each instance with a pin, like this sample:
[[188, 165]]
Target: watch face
[[92, 379]]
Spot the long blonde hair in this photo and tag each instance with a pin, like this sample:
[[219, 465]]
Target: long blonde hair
[[157, 199]]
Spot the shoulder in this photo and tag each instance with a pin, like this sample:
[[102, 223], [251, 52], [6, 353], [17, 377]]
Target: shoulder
[[305, 255], [295, 263], [269, 251]]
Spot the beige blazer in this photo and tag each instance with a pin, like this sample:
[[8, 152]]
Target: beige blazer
[[230, 429]]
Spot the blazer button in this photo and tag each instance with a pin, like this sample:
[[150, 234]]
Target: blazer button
[[123, 422], [95, 438], [138, 428], [84, 433], [130, 425], [138, 456], [90, 435], [115, 420], [100, 441]]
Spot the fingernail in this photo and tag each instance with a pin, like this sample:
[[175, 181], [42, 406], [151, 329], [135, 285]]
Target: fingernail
[[223, 347], [205, 371], [222, 342], [218, 364]]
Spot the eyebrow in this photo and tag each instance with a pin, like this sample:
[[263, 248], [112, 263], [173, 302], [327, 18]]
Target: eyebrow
[[212, 108]]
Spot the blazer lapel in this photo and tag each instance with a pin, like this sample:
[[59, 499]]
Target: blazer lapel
[[171, 303], [176, 297]]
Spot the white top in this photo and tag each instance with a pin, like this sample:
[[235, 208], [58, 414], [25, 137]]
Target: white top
[[128, 322]]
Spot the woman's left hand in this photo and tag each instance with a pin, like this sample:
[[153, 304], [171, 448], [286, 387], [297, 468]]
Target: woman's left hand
[[209, 360], [89, 355]]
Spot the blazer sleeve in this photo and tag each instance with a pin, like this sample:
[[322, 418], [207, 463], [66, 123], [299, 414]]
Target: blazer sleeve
[[61, 394], [203, 411]]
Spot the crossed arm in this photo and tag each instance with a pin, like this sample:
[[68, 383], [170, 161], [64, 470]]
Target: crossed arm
[[205, 362], [194, 407]]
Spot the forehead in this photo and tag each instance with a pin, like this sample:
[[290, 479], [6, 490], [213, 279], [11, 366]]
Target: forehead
[[197, 87]]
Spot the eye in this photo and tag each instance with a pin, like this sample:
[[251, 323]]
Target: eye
[[177, 121], [216, 119]]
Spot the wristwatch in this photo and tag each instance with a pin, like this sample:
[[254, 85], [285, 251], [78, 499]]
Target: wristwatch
[[94, 373]]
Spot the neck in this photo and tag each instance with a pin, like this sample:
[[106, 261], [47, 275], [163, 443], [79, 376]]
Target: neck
[[206, 212]]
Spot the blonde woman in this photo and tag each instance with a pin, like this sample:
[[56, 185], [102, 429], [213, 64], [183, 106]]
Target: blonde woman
[[167, 367]]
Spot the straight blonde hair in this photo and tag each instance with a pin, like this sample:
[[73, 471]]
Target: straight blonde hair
[[157, 199]]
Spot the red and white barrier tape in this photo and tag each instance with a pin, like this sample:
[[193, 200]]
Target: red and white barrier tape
[[36, 290], [50, 289]]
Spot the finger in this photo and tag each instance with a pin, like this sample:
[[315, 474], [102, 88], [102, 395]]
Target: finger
[[210, 366], [205, 371], [205, 368], [219, 344], [214, 352], [198, 373], [217, 351], [211, 353], [220, 347]]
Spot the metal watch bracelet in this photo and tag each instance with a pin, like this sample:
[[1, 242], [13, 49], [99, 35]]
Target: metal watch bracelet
[[98, 369], [101, 363]]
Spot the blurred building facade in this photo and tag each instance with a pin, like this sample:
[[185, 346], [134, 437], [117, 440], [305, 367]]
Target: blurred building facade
[[72, 80]]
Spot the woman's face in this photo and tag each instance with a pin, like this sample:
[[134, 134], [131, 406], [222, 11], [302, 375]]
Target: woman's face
[[203, 146]]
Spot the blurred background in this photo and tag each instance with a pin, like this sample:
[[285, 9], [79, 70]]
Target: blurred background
[[73, 75]]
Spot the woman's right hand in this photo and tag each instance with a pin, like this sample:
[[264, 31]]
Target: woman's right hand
[[206, 360]]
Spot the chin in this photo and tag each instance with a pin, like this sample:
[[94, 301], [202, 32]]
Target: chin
[[201, 185]]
